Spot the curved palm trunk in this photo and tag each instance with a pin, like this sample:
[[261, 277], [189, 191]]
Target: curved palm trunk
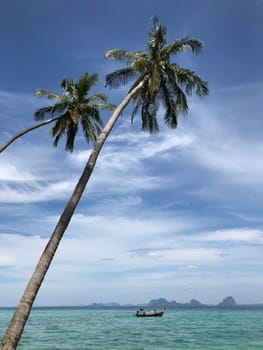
[[25, 131], [16, 326]]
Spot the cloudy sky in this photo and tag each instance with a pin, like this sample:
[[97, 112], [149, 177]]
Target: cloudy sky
[[177, 214]]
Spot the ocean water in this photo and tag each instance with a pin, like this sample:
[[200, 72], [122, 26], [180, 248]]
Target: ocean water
[[81, 329]]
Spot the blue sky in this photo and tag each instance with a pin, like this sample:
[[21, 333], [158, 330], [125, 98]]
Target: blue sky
[[178, 214]]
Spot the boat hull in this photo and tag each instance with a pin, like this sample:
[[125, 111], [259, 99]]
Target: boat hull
[[149, 313]]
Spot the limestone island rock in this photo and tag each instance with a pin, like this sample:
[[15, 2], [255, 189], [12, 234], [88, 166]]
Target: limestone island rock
[[228, 302]]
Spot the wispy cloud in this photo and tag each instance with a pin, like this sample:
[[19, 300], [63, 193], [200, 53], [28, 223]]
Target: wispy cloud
[[238, 235]]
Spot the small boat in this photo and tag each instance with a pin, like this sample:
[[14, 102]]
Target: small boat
[[154, 313]]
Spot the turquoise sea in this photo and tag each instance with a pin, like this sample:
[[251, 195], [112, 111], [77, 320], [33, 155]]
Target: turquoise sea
[[81, 329]]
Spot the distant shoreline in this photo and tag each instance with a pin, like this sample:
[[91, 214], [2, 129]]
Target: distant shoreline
[[133, 307], [228, 303]]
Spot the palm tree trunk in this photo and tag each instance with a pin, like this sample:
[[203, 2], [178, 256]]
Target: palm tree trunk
[[25, 131], [17, 324]]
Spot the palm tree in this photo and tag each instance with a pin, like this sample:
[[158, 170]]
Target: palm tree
[[156, 80], [163, 81], [71, 108]]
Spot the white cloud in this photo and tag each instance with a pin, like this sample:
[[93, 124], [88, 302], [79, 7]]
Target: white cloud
[[188, 267], [239, 235], [223, 143], [10, 172], [126, 150], [182, 255], [20, 251], [35, 192]]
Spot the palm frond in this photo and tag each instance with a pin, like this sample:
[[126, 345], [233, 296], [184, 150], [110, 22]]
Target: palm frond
[[182, 45], [137, 101], [54, 110], [71, 134], [157, 35], [173, 83], [61, 124], [149, 114], [56, 139], [101, 101], [59, 128], [149, 122], [139, 97], [105, 106], [201, 86], [170, 116], [120, 77], [48, 94], [66, 83], [92, 113], [98, 97], [123, 55], [74, 115], [141, 64], [86, 82], [69, 88], [181, 104], [190, 80], [42, 112], [140, 78], [91, 130], [154, 80]]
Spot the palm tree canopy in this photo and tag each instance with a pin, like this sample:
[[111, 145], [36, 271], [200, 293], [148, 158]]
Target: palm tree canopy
[[74, 106], [164, 81]]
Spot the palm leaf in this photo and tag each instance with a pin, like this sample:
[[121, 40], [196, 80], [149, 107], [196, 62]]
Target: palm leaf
[[54, 110], [61, 124], [157, 35], [170, 116], [141, 77], [148, 113], [92, 113], [181, 104], [137, 101], [154, 79], [86, 82], [72, 130], [91, 130], [123, 55], [141, 64], [120, 77], [49, 94], [98, 97], [149, 121], [182, 45], [190, 80], [101, 101], [42, 112]]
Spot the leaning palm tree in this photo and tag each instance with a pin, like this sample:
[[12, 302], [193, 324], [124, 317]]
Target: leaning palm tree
[[72, 107], [156, 80]]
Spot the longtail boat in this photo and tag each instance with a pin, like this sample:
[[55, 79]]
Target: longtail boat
[[154, 313]]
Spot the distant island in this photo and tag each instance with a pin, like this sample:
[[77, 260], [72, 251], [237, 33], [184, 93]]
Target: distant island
[[227, 303]]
